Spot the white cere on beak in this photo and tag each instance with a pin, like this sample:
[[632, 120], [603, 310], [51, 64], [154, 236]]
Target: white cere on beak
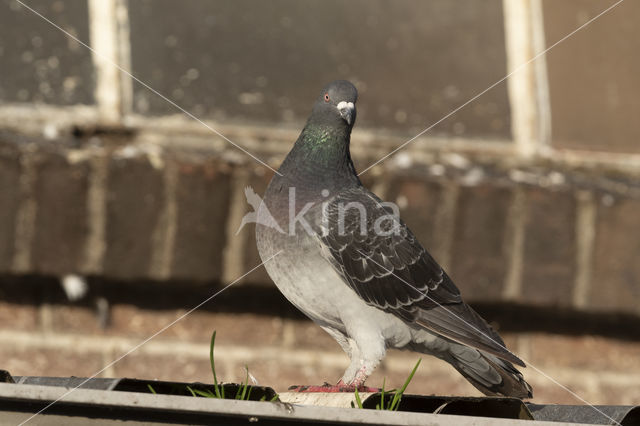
[[346, 110], [345, 105]]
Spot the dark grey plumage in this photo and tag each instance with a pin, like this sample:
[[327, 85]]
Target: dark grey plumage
[[359, 272]]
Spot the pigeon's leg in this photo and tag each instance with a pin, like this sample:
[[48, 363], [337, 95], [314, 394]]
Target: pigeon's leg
[[356, 362], [351, 348], [356, 373], [368, 348]]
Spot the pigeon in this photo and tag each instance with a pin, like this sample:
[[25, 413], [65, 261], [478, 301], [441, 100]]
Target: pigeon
[[346, 260]]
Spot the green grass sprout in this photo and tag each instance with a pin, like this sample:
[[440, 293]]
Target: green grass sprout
[[392, 402], [398, 394], [243, 392], [219, 390]]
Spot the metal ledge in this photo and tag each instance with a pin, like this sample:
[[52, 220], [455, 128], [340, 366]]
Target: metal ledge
[[98, 407]]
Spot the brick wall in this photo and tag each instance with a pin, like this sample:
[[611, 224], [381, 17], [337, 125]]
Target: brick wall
[[528, 195]]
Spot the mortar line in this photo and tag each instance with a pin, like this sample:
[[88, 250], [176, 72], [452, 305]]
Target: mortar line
[[444, 223], [234, 252], [95, 244], [514, 244], [164, 233], [585, 227], [26, 214]]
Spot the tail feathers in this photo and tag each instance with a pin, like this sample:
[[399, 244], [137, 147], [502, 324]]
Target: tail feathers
[[488, 373], [460, 323]]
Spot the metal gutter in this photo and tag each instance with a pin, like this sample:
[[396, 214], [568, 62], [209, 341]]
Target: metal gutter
[[94, 407]]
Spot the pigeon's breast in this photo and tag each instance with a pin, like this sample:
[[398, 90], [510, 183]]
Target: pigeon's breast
[[296, 264], [302, 275]]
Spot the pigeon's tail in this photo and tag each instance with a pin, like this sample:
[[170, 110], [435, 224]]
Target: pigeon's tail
[[488, 373]]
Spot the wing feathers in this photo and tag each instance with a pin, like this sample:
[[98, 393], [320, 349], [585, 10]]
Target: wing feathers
[[392, 271]]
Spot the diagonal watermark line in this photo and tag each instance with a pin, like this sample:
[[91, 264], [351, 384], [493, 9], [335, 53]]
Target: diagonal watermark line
[[180, 318], [575, 395], [121, 69], [518, 68]]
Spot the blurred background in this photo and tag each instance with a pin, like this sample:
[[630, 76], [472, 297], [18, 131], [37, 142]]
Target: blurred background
[[119, 213]]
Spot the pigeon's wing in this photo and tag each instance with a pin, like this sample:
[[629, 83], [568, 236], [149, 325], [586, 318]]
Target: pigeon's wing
[[378, 256]]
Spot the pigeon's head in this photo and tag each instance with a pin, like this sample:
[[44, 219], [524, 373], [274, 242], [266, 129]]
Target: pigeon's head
[[337, 102]]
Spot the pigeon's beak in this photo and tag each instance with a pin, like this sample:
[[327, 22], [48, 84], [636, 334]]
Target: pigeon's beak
[[347, 111]]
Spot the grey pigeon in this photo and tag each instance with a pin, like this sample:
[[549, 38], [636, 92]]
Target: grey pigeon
[[357, 270]]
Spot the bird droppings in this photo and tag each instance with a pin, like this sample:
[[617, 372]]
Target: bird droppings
[[50, 131], [520, 176], [437, 169], [154, 154], [75, 286], [403, 160], [552, 179], [456, 160], [473, 177]]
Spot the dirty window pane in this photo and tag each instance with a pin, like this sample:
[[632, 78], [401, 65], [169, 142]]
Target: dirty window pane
[[253, 61], [39, 62], [593, 76]]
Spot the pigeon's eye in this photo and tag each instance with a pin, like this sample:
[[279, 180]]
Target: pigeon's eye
[[326, 97]]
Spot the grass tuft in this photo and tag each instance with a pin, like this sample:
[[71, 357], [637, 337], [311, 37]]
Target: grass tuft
[[242, 393], [394, 396]]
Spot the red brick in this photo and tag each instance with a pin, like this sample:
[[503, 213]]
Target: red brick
[[309, 335], [585, 352], [177, 368], [61, 222], [134, 202], [49, 362], [74, 319], [422, 198], [620, 394], [549, 248], [615, 284], [546, 391], [132, 322], [202, 197], [9, 200], [18, 317], [478, 261], [280, 376]]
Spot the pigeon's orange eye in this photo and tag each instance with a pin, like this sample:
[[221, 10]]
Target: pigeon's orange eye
[[326, 97]]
